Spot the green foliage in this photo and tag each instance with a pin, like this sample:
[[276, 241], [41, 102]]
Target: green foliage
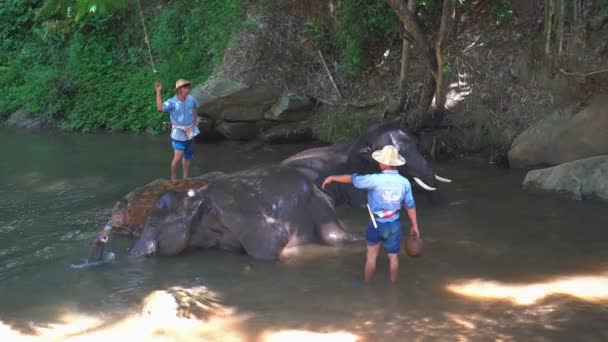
[[603, 5], [315, 32], [98, 6], [363, 25], [501, 10], [16, 20], [426, 11], [95, 71], [343, 126], [189, 38]]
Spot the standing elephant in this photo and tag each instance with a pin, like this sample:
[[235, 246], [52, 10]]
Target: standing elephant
[[356, 157], [260, 212]]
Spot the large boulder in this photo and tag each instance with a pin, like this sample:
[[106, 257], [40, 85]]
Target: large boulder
[[584, 178], [229, 100], [287, 134], [23, 119], [291, 108], [557, 140], [238, 130]]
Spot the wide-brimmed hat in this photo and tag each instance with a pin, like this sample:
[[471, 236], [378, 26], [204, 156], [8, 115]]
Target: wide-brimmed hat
[[388, 155], [182, 82]]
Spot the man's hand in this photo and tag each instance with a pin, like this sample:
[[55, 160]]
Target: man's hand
[[327, 181], [158, 86], [414, 231]]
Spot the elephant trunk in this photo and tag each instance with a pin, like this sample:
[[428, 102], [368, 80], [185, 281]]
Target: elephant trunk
[[99, 244]]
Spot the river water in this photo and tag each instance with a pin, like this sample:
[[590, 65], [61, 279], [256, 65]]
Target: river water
[[501, 263]]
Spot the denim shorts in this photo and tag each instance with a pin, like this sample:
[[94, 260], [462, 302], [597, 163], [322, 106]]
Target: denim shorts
[[387, 232], [185, 146]]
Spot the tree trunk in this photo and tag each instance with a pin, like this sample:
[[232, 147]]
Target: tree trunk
[[433, 59], [560, 26], [548, 24], [411, 26], [426, 99], [447, 22], [405, 62], [575, 20]]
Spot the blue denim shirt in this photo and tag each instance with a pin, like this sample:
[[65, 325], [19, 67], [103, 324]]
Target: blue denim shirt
[[181, 115], [386, 191]]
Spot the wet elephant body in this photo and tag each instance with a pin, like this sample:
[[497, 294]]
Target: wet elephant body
[[356, 157], [260, 212]]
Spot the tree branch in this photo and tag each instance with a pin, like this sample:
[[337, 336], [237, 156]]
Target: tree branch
[[413, 28], [329, 74], [582, 75]]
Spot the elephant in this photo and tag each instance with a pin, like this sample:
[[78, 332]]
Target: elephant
[[356, 157], [260, 212]]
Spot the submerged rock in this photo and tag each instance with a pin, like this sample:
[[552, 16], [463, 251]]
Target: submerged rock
[[580, 179]]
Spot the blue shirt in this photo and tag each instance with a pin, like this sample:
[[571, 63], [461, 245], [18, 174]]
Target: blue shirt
[[386, 191], [182, 114]]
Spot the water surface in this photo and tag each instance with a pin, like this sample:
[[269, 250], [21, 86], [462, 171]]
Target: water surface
[[57, 190]]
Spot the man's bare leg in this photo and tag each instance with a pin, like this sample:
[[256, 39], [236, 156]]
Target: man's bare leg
[[394, 266], [177, 158], [186, 167], [370, 262]]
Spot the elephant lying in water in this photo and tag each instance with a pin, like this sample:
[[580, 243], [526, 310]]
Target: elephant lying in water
[[356, 157], [259, 212]]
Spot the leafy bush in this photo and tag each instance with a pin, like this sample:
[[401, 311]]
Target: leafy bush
[[603, 6], [90, 62], [362, 25], [343, 126], [501, 10]]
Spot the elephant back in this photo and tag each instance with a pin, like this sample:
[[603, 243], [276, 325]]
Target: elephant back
[[130, 213]]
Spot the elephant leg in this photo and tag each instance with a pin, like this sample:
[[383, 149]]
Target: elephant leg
[[329, 230], [143, 246], [263, 240]]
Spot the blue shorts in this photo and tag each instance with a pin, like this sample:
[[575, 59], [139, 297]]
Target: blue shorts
[[185, 146], [387, 232]]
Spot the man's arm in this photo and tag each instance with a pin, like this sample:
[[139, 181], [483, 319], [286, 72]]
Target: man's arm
[[411, 213], [159, 101], [195, 112], [337, 178], [195, 117], [410, 206]]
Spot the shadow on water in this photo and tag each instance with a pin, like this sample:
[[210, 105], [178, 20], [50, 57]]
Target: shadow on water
[[493, 268]]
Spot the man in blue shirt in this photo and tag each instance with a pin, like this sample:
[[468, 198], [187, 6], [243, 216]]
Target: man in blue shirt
[[387, 191], [184, 122]]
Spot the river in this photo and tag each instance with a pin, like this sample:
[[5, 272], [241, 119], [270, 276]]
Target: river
[[500, 263]]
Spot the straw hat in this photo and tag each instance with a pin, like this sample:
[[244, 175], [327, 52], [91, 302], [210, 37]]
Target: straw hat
[[388, 155], [182, 82]]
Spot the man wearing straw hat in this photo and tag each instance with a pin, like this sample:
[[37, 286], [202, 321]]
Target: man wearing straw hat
[[387, 191], [184, 121]]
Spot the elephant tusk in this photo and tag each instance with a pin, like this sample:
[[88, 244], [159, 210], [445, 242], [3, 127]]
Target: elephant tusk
[[441, 179], [423, 185]]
